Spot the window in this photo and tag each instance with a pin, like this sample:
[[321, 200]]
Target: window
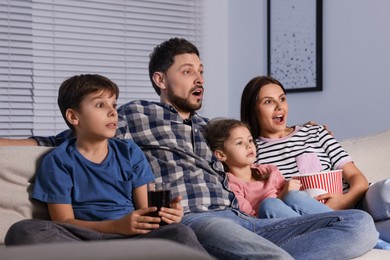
[[43, 42]]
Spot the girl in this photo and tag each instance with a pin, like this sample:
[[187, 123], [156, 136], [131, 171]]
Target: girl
[[261, 190]]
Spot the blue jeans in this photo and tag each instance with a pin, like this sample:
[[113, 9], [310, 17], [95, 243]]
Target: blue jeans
[[294, 204], [229, 234], [377, 203]]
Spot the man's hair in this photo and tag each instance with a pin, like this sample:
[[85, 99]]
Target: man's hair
[[73, 90], [162, 57]]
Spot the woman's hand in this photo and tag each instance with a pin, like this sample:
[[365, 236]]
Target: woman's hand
[[174, 214], [337, 201]]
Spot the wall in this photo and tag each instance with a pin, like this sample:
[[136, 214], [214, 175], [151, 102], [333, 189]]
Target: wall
[[356, 63]]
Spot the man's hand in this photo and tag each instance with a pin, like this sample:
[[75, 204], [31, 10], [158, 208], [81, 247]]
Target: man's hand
[[315, 123]]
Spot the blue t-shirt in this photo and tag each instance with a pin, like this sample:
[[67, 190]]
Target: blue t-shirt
[[97, 191]]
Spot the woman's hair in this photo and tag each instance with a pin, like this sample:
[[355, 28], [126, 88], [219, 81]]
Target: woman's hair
[[73, 90], [162, 57], [249, 100]]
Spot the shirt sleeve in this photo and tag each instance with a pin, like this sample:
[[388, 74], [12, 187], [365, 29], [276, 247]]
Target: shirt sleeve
[[279, 179], [141, 170], [53, 184], [53, 140], [238, 190], [337, 155]]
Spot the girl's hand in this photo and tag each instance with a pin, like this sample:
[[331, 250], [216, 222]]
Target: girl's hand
[[174, 214], [292, 184]]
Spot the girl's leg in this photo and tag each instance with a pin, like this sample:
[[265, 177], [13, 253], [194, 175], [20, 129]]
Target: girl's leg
[[275, 208], [303, 204]]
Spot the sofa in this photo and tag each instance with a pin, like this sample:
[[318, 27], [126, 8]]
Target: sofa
[[18, 165]]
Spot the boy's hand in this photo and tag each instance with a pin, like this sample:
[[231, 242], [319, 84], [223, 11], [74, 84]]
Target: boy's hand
[[174, 214], [137, 222]]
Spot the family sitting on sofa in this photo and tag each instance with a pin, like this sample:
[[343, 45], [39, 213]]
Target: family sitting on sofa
[[170, 134]]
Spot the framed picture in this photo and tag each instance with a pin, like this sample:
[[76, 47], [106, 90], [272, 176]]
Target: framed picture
[[295, 44]]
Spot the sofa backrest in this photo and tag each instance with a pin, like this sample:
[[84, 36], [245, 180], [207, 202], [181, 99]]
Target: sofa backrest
[[18, 165], [371, 155]]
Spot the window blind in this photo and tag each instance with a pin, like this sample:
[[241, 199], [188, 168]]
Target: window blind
[[16, 68], [60, 39]]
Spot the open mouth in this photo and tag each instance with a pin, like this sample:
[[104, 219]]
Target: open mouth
[[279, 118], [198, 92]]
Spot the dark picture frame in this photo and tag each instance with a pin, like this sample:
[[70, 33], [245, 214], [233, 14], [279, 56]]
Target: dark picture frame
[[295, 43]]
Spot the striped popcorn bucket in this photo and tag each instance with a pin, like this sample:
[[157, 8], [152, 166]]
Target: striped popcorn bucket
[[321, 182]]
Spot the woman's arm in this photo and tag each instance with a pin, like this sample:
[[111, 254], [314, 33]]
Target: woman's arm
[[358, 187]]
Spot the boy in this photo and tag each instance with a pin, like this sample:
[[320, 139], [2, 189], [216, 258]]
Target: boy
[[94, 185]]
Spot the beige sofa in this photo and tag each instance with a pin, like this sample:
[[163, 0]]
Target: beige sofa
[[18, 165]]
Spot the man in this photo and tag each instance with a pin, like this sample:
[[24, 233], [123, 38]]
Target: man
[[170, 134]]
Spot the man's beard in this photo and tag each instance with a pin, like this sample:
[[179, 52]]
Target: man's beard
[[182, 104]]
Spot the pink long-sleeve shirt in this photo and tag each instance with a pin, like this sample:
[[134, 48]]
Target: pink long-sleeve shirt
[[250, 194]]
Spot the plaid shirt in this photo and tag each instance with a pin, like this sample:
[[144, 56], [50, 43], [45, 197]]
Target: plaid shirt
[[177, 152]]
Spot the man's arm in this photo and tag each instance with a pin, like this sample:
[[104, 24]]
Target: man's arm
[[38, 140], [17, 142]]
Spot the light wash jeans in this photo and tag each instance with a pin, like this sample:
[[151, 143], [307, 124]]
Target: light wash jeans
[[295, 203], [229, 234]]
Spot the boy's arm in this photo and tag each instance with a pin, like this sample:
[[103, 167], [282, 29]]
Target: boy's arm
[[140, 197], [134, 223]]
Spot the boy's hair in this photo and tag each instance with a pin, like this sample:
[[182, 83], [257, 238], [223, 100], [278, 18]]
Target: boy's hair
[[218, 130], [73, 90], [162, 57]]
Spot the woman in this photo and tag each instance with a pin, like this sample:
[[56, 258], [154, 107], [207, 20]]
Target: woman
[[264, 108]]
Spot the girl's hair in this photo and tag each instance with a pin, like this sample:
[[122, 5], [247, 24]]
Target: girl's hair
[[249, 100], [217, 131], [73, 90]]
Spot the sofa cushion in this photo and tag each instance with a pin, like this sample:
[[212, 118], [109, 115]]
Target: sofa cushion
[[17, 172], [371, 155]]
